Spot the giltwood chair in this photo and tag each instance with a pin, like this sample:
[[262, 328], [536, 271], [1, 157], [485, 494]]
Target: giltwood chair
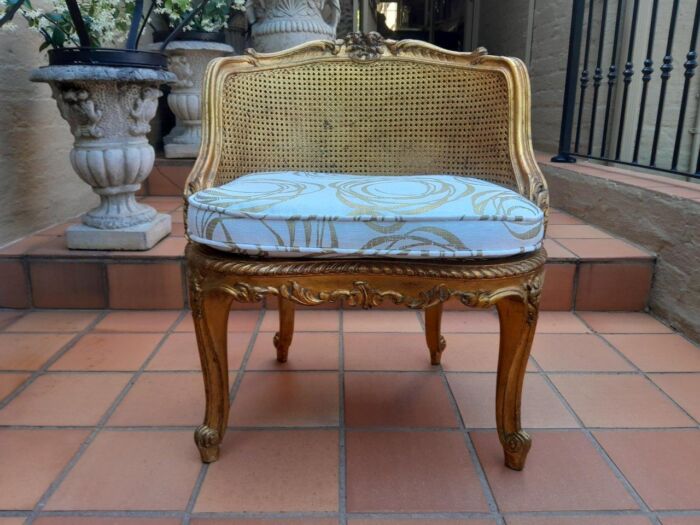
[[364, 106]]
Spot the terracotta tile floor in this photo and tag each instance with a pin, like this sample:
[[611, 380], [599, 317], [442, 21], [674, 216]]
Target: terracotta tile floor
[[97, 410]]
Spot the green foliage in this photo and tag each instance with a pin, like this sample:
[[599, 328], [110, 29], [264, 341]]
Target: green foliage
[[214, 16], [107, 21]]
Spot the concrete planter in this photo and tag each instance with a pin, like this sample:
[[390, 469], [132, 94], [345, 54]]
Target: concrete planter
[[188, 60], [109, 110], [281, 24]]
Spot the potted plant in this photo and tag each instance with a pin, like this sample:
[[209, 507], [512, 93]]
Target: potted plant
[[108, 95], [189, 50]]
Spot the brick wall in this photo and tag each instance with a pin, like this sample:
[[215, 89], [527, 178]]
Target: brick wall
[[504, 34], [38, 186], [504, 30]]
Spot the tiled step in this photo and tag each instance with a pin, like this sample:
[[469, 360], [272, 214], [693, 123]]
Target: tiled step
[[167, 179], [587, 269]]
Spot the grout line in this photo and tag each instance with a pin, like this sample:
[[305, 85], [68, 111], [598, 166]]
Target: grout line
[[673, 401], [473, 456], [116, 371], [204, 468], [197, 488], [55, 357], [378, 429], [354, 371], [639, 371], [617, 472], [579, 513], [343, 515], [104, 278], [245, 516], [100, 424], [26, 269], [421, 516], [15, 315], [342, 446], [254, 516]]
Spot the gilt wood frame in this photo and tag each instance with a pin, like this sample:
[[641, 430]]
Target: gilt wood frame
[[513, 285]]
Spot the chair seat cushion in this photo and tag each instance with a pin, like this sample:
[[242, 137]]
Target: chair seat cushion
[[305, 214]]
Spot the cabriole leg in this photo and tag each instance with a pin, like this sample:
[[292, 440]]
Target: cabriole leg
[[436, 343], [283, 338], [210, 312], [518, 319]]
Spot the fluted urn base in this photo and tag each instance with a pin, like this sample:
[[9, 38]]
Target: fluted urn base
[[183, 141], [188, 59]]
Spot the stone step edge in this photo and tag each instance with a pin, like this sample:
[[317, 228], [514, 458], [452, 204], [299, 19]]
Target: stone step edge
[[160, 283]]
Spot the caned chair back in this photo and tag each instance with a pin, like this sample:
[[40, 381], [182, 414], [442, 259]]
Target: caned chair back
[[369, 106]]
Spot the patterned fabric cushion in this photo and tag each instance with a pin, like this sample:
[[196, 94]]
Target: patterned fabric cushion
[[301, 214]]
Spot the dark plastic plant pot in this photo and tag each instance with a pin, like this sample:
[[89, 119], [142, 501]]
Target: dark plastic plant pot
[[101, 56], [200, 36]]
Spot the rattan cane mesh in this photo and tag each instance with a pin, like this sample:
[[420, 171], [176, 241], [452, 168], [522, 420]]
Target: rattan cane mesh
[[387, 117]]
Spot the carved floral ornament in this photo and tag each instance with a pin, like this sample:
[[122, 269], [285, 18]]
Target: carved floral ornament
[[143, 108], [78, 108], [361, 293], [363, 46], [77, 105], [366, 47], [364, 295], [178, 64]]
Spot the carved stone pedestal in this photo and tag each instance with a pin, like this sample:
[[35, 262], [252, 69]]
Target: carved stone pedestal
[[188, 59], [109, 110], [140, 237]]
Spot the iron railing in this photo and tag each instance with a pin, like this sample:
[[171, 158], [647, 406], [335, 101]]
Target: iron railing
[[619, 118]]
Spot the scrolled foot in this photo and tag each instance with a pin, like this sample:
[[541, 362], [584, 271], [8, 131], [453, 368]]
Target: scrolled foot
[[436, 355], [207, 440], [516, 445], [282, 349]]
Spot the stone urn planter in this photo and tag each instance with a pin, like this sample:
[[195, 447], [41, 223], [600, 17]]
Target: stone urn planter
[[188, 57], [109, 109], [281, 24]]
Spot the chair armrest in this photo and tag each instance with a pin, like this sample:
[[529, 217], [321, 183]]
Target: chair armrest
[[531, 181]]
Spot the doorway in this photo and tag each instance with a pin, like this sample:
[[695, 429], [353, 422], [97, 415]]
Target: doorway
[[451, 24]]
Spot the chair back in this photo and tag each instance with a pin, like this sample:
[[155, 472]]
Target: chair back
[[364, 105]]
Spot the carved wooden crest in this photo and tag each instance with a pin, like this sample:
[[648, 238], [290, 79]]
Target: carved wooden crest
[[363, 46]]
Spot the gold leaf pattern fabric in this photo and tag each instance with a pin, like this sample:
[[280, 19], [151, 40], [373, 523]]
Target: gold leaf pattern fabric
[[309, 214]]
